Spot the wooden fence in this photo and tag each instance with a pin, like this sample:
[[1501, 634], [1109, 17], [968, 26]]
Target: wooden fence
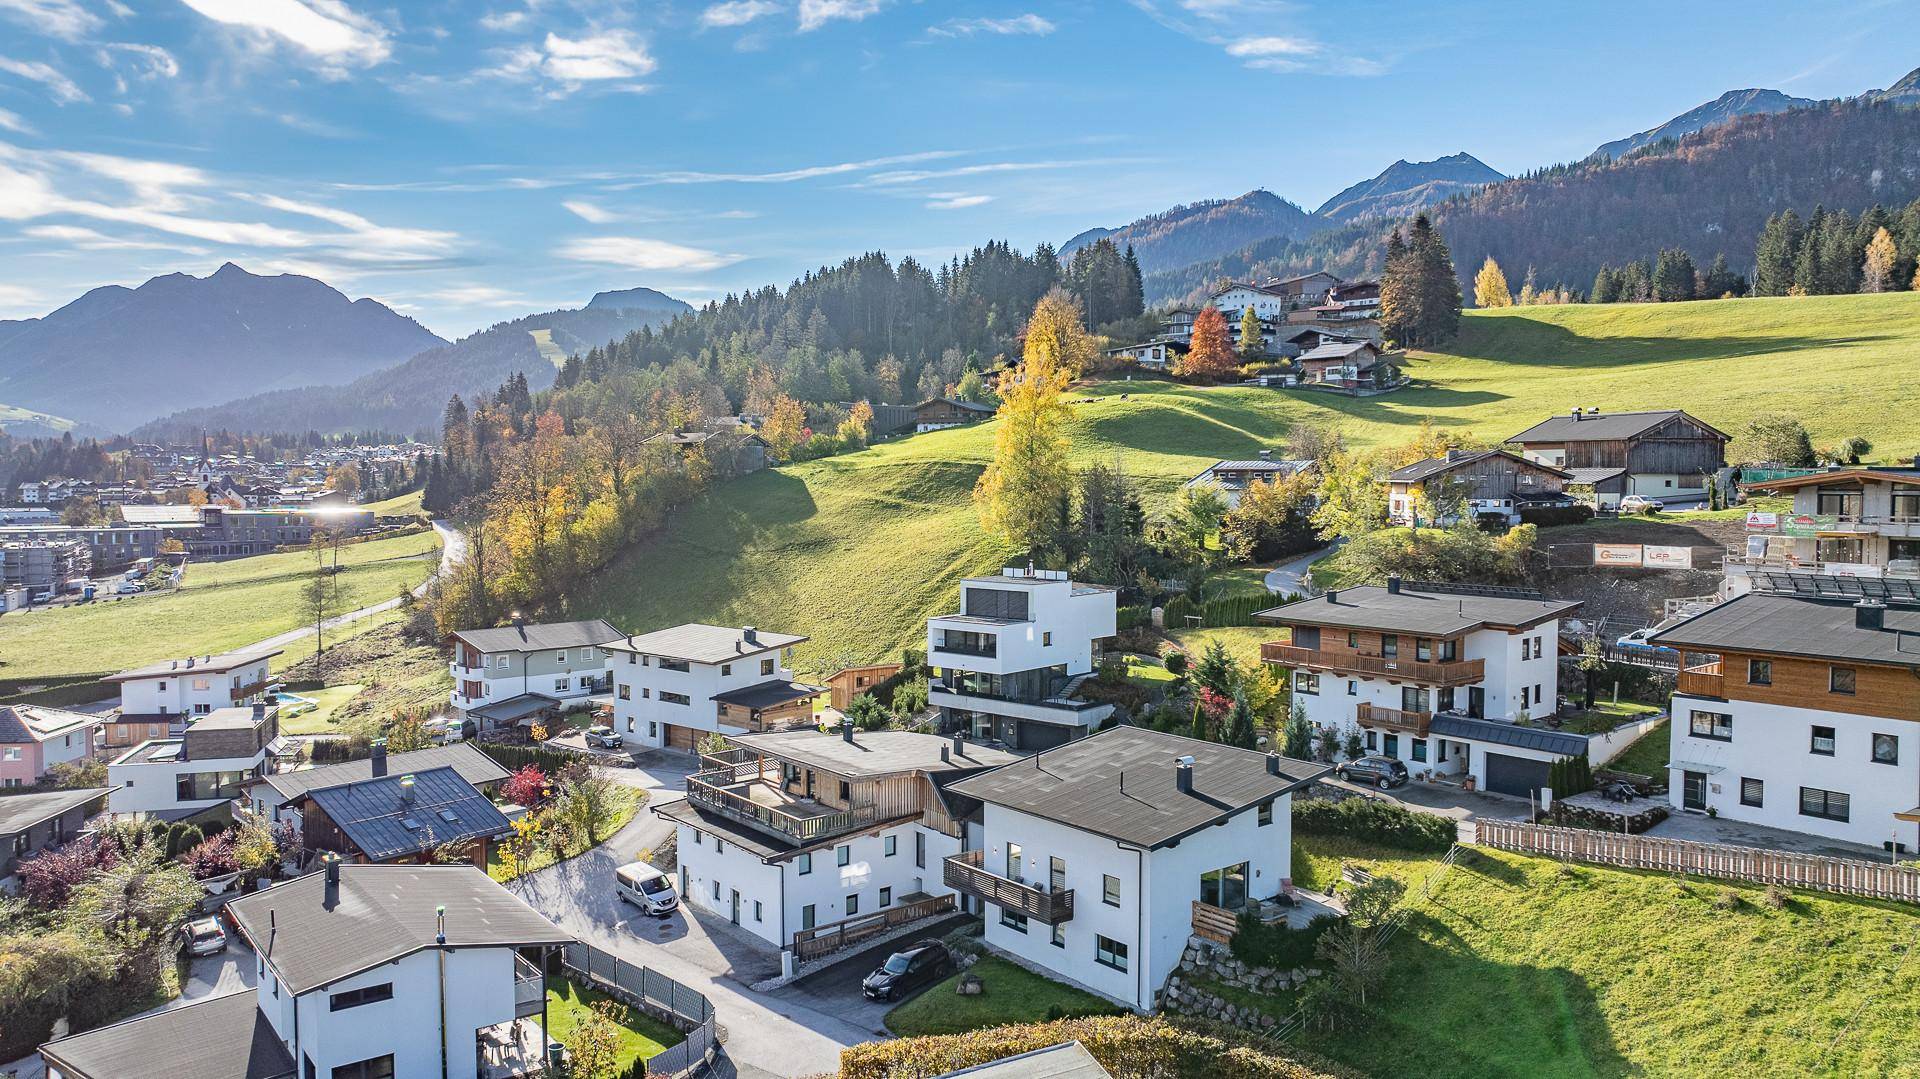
[[1213, 923], [1790, 870]]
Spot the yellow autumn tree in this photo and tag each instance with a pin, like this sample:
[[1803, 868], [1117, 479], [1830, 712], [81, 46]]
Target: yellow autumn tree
[[1019, 496], [1490, 286], [785, 427], [1056, 333], [1877, 274]]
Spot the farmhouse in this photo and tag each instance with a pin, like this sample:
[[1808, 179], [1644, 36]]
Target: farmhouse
[[1348, 365], [942, 412], [673, 685], [1464, 485], [1665, 454]]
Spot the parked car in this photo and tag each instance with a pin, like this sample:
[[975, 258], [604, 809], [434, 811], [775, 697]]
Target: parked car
[[204, 937], [130, 588], [1639, 639], [604, 737], [647, 888], [42, 597], [448, 731], [1383, 772], [908, 969], [1641, 504]]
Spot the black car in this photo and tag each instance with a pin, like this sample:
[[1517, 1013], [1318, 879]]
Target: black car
[[907, 970], [1383, 772]]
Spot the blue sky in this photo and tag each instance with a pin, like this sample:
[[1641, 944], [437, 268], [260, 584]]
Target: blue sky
[[471, 161]]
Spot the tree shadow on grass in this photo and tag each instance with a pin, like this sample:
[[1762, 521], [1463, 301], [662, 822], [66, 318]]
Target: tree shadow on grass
[[1543, 344]]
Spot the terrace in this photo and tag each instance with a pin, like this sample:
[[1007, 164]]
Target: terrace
[[745, 792], [967, 872], [1463, 672]]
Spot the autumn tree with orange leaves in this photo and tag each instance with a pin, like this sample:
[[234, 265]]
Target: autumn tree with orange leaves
[[1211, 355]]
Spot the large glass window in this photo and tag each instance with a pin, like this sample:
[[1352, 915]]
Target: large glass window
[[1827, 805], [1842, 501], [1715, 725], [1906, 503], [378, 1068], [200, 786], [1225, 888]]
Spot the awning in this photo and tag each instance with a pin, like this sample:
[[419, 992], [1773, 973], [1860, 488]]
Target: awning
[[1910, 815], [1685, 766], [514, 709], [283, 747]]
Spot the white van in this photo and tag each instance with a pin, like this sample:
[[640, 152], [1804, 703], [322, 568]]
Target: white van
[[647, 888]]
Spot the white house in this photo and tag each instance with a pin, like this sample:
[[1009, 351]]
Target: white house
[[1450, 679], [1094, 853], [553, 662], [796, 831], [1006, 665], [1799, 712], [673, 685], [194, 686], [363, 972], [210, 764], [1845, 522], [1234, 477]]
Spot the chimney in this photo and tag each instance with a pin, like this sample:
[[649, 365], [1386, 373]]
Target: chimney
[[959, 744], [1183, 773], [1393, 584], [333, 881], [406, 789], [1576, 415], [1273, 764], [1870, 614], [259, 710], [189, 662], [1266, 455], [379, 757], [846, 730], [946, 755], [750, 634], [1333, 595], [440, 925]]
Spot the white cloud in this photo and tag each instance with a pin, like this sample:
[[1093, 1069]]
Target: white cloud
[[587, 211], [1273, 46], [1029, 24], [19, 301], [503, 20], [1244, 30], [610, 57], [11, 121], [634, 253], [148, 61], [327, 30], [788, 176], [64, 19], [957, 202], [155, 183], [477, 296], [63, 89], [817, 13], [86, 239], [737, 12]]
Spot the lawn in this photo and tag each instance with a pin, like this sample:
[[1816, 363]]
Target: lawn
[[399, 505], [1242, 642], [1606, 715], [219, 606], [1013, 995], [321, 719], [1648, 755], [621, 807], [1517, 968], [642, 1037]]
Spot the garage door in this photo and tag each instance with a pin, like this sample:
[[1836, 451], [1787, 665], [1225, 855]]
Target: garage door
[[1515, 775]]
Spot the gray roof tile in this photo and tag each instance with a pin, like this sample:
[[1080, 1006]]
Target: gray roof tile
[[383, 826], [1799, 626], [697, 643], [224, 1037], [474, 766], [540, 637]]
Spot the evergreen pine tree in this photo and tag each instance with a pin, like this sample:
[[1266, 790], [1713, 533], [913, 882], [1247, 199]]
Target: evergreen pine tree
[[1673, 276], [1776, 254], [1606, 286]]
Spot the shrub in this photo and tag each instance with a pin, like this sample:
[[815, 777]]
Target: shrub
[[1726, 899], [1279, 947], [1570, 776], [1548, 516], [1380, 822], [1176, 663], [1775, 897], [1124, 1045], [527, 786], [517, 757]]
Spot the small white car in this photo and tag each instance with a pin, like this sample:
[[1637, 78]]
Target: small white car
[[1641, 504], [1638, 639], [204, 937], [647, 888]]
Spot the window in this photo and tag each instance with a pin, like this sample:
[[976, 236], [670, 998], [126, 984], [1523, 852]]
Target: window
[[1109, 953], [1715, 725], [889, 844], [1393, 746], [1822, 741], [674, 665], [886, 897], [353, 998], [626, 693], [1353, 639], [1840, 680], [853, 904], [1013, 919], [1759, 672], [843, 855], [1420, 749], [1752, 792], [920, 848], [803, 864], [846, 795], [675, 698], [646, 693], [726, 669], [1390, 646], [1827, 805], [806, 916], [756, 910], [699, 840], [560, 656], [377, 1068], [716, 889], [766, 667], [719, 845], [1886, 749], [1306, 682], [1046, 638], [1422, 649], [1449, 651], [1266, 814], [1110, 889], [1373, 741], [1353, 688], [560, 685], [1060, 934]]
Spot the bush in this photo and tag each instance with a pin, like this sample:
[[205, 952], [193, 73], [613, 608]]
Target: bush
[[1176, 663], [1124, 1045], [1278, 947], [1549, 516], [1375, 821], [1570, 776]]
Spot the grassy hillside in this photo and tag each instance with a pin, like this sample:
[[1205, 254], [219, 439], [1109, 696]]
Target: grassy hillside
[[858, 550]]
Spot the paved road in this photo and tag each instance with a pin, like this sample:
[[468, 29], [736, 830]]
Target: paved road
[[1291, 577], [837, 988], [453, 548]]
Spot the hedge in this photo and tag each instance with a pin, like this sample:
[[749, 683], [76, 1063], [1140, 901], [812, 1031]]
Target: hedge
[[1376, 821], [514, 758], [1278, 946], [1133, 617], [1547, 516], [1229, 611], [1129, 1047]]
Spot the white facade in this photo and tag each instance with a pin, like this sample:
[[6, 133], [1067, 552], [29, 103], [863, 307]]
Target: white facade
[[1521, 674], [653, 693], [565, 674], [1858, 526], [1728, 755], [190, 689], [1152, 914], [146, 779]]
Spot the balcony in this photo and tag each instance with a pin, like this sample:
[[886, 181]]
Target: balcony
[[742, 792], [1372, 715], [986, 648], [1463, 672], [529, 988], [966, 873], [1706, 680]]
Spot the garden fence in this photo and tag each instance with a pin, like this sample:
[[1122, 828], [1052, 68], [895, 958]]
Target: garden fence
[[1814, 872], [659, 996]]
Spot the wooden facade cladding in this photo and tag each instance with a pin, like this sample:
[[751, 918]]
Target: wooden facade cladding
[[780, 717], [1496, 477], [1680, 446], [1798, 682], [1362, 652]]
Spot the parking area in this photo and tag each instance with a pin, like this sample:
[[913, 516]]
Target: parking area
[[836, 987]]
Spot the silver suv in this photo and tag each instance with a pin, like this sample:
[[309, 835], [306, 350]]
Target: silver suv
[[1383, 772]]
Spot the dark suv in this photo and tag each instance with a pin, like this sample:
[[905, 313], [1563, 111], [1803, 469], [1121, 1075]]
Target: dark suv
[[1383, 772], [908, 969]]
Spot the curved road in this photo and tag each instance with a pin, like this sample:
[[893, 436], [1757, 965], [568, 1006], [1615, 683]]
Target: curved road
[[1291, 577], [453, 548]]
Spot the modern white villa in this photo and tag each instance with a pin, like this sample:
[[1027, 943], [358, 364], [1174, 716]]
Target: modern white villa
[[1096, 857], [1451, 679], [364, 972], [1006, 665], [511, 671], [672, 686]]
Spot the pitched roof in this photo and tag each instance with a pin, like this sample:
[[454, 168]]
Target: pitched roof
[[1601, 426], [1432, 613], [1768, 622], [383, 824], [1068, 1060], [1337, 350], [514, 709], [19, 812], [225, 1037], [1121, 784], [767, 694], [32, 723], [1509, 734], [698, 643], [474, 766], [1840, 475], [1434, 466], [1592, 476], [382, 913], [873, 753], [216, 664], [538, 637], [954, 402]]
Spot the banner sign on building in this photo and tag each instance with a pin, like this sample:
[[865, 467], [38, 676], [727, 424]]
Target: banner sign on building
[[1763, 521], [1805, 525], [1617, 554], [1668, 557]]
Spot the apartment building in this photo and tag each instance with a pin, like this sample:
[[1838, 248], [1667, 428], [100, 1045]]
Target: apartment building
[[1845, 522], [34, 739], [794, 832], [363, 972], [672, 686], [1007, 664], [157, 700], [44, 566], [1094, 855], [1453, 680], [1800, 712], [554, 662], [209, 764]]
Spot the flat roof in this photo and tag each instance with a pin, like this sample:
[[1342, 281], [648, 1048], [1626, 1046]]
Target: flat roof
[[1803, 626], [19, 812], [474, 766], [232, 719], [1121, 784], [540, 636], [767, 694], [752, 840], [216, 664], [1425, 613], [873, 753], [382, 913], [700, 643], [225, 1037], [516, 708]]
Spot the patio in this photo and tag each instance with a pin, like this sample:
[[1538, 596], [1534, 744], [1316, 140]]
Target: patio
[[508, 1050]]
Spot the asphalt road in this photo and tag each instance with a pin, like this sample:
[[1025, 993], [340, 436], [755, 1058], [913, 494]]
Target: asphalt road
[[836, 988]]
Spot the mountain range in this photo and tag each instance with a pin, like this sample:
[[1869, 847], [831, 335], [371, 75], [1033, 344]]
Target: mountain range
[[119, 356], [1718, 111], [1408, 186]]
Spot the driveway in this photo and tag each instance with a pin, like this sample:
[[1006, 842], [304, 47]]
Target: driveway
[[1700, 828], [836, 988], [1291, 577]]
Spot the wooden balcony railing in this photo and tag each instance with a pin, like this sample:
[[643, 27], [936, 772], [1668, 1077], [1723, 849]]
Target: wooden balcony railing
[[966, 872], [1706, 680], [821, 940], [1456, 673], [1213, 923], [1372, 715], [709, 789]]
